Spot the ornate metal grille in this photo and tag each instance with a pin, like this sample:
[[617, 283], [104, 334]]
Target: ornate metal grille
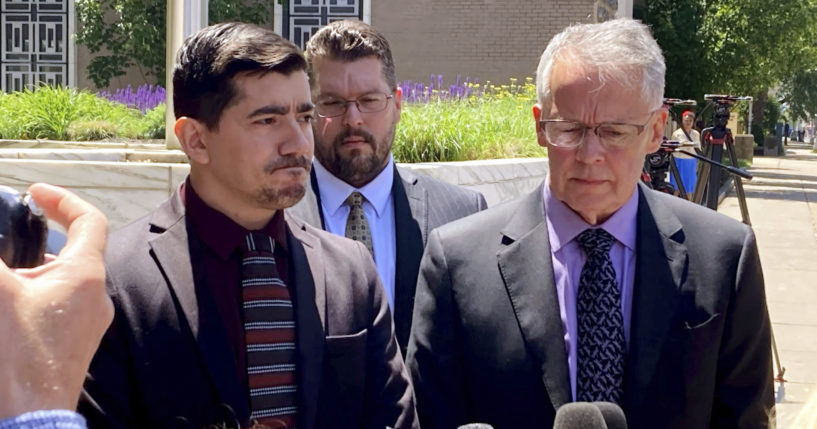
[[34, 43], [302, 18]]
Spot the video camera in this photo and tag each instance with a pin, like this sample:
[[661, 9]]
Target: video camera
[[23, 230], [723, 104], [657, 165]]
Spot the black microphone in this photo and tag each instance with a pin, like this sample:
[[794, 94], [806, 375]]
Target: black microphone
[[613, 415], [579, 415]]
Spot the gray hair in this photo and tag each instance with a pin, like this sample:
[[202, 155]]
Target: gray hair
[[620, 50]]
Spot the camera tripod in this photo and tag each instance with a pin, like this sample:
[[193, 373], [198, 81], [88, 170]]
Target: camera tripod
[[659, 163], [714, 140]]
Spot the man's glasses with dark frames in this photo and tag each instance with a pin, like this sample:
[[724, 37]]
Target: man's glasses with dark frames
[[368, 103], [571, 134]]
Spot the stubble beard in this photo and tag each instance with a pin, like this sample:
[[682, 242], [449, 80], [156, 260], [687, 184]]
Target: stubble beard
[[355, 168], [281, 198]]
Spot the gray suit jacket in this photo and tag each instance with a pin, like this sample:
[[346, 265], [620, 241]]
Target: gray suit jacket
[[166, 360], [487, 343], [421, 204]]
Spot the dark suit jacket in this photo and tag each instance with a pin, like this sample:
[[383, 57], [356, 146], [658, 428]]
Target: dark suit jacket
[[487, 343], [166, 360], [421, 204]]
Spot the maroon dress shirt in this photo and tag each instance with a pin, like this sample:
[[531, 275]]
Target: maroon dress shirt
[[222, 239]]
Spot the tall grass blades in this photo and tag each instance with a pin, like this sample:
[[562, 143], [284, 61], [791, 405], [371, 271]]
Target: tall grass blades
[[58, 113], [467, 121], [463, 121]]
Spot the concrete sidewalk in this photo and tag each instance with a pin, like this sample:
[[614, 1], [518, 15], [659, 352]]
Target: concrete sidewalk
[[782, 202]]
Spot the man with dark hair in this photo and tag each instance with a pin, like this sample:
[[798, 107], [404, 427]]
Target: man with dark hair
[[228, 310], [356, 189]]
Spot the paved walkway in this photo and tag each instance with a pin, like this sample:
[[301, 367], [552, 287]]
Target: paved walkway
[[782, 201]]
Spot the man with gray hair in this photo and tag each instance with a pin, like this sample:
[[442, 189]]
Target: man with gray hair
[[593, 287]]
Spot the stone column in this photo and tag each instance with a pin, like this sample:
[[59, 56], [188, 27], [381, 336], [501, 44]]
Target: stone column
[[184, 17]]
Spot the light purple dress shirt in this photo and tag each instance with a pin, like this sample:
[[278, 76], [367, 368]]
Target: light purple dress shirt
[[568, 259]]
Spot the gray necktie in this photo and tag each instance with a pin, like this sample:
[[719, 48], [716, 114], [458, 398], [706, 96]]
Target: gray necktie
[[601, 345], [357, 227]]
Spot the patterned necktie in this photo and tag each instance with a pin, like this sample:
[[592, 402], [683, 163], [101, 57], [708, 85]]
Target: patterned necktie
[[357, 227], [269, 332], [601, 345]]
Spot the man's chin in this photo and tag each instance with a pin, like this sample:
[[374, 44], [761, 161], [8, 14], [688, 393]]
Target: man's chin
[[282, 198]]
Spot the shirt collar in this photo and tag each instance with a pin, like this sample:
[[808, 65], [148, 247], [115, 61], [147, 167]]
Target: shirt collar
[[564, 224], [221, 233], [334, 191]]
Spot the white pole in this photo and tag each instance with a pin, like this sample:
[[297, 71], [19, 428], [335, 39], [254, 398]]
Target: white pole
[[184, 17]]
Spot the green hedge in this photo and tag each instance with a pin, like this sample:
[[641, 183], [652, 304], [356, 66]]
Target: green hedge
[[495, 122], [68, 114]]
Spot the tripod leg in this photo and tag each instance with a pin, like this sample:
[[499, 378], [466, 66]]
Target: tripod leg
[[703, 178], [781, 370], [744, 209], [714, 182], [673, 168]]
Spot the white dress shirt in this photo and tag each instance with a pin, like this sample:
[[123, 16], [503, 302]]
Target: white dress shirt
[[378, 208]]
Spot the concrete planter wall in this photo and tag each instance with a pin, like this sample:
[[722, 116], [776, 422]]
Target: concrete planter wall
[[119, 181]]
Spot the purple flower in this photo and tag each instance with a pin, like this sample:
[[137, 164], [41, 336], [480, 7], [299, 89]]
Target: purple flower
[[145, 97]]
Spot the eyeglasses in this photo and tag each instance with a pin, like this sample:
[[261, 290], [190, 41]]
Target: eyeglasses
[[369, 103], [570, 134]]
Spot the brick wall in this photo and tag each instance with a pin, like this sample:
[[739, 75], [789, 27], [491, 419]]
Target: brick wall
[[488, 39]]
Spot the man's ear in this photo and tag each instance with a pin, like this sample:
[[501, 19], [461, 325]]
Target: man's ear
[[398, 101], [657, 130], [540, 133], [191, 135]]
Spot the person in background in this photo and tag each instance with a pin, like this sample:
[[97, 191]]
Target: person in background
[[357, 190], [687, 165], [52, 319]]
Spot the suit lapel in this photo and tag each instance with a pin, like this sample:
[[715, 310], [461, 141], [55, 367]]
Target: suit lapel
[[406, 184], [410, 222], [533, 293], [309, 277], [173, 249], [661, 258]]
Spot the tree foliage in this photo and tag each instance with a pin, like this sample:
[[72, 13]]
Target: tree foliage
[[740, 47], [131, 33]]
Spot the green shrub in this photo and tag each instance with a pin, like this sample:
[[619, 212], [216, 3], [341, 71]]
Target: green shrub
[[46, 112], [152, 124], [11, 127], [497, 123], [91, 130]]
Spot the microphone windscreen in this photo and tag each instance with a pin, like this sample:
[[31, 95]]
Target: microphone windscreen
[[579, 415], [613, 415], [476, 426]]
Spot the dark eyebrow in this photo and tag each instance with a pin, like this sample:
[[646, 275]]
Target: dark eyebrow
[[269, 110], [305, 107], [280, 110]]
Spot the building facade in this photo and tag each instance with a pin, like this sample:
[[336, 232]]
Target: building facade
[[484, 39], [489, 40]]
